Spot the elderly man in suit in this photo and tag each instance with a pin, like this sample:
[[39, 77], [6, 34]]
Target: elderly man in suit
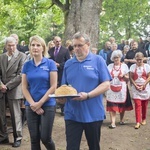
[[60, 55], [19, 47], [11, 64]]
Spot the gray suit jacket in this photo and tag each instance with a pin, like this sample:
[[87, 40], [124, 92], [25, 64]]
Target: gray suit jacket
[[10, 74]]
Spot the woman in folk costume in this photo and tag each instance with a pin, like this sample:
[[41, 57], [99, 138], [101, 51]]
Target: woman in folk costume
[[140, 77], [118, 97]]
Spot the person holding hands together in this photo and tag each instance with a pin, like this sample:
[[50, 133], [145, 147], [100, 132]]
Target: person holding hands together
[[39, 79], [118, 97], [88, 74], [140, 77]]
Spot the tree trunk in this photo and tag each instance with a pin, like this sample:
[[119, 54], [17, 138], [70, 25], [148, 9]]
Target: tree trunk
[[83, 16]]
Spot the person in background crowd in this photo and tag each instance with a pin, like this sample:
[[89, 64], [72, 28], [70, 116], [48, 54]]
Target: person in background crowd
[[140, 78], [85, 113], [11, 64], [121, 45], [94, 50], [113, 48], [132, 43], [130, 56], [104, 52], [26, 51], [22, 43], [68, 43], [118, 101], [19, 47], [39, 79], [60, 55], [71, 51], [147, 46], [127, 43], [112, 40], [147, 49], [126, 48], [141, 44], [50, 45]]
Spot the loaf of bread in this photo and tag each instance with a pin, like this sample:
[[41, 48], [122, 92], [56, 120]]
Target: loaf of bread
[[65, 90]]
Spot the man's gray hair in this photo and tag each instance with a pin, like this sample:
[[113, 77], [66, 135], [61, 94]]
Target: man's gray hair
[[10, 39], [116, 53], [79, 35]]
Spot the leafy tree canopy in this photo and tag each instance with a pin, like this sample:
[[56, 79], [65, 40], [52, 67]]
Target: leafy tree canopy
[[122, 19], [125, 19]]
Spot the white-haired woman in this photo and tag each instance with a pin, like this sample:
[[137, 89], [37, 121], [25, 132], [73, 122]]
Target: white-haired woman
[[140, 78], [118, 97]]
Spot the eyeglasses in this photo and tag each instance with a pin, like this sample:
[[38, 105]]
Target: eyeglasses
[[79, 45], [116, 57], [58, 41]]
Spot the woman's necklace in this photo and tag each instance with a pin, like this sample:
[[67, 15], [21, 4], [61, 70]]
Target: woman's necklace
[[140, 70], [117, 68]]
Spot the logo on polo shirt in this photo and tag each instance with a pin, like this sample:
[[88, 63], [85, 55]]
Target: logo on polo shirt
[[44, 68], [88, 67]]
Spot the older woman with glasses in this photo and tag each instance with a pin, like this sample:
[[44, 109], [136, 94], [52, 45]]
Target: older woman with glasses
[[118, 97], [140, 77]]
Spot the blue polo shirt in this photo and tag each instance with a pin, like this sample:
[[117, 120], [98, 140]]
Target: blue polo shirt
[[84, 77], [38, 78]]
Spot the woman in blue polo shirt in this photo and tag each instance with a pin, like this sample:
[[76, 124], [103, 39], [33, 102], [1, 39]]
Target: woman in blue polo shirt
[[39, 79]]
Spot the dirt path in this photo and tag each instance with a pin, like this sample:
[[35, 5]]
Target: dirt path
[[124, 137]]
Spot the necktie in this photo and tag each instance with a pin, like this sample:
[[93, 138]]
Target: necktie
[[56, 52]]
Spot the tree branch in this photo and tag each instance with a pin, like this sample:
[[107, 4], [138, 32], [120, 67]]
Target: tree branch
[[59, 4], [63, 7], [67, 5], [27, 6]]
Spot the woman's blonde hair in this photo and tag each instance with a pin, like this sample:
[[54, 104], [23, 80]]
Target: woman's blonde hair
[[139, 54], [40, 40], [68, 43], [50, 44]]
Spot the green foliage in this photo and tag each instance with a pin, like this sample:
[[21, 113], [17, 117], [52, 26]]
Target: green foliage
[[30, 17], [124, 19]]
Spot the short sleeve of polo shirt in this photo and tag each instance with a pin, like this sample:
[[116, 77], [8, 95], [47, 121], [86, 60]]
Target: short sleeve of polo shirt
[[93, 62], [52, 65], [49, 62], [38, 78]]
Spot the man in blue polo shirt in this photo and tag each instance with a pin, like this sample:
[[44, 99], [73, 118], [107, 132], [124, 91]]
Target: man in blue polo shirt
[[88, 74]]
